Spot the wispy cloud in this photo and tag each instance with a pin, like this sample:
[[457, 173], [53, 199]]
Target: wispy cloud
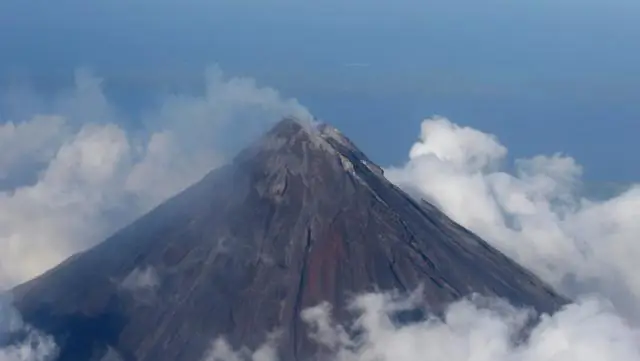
[[141, 279]]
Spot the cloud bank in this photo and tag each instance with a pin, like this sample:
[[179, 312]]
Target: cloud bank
[[472, 329]]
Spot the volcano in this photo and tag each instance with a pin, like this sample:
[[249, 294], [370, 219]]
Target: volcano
[[299, 217]]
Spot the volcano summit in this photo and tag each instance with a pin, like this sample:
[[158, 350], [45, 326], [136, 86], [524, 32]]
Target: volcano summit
[[299, 217]]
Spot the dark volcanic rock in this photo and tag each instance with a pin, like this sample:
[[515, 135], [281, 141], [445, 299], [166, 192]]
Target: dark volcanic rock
[[299, 217]]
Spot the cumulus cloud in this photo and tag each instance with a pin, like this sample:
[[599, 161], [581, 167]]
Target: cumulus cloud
[[535, 214], [74, 171]]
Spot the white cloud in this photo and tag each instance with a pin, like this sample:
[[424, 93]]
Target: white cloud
[[26, 144], [142, 284], [141, 279], [92, 174], [473, 329], [221, 351], [535, 215], [34, 346], [111, 355], [461, 147]]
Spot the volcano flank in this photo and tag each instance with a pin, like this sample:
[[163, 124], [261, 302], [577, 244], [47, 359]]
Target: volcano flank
[[299, 217]]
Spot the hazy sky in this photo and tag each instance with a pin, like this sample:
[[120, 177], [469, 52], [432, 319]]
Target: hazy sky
[[545, 76]]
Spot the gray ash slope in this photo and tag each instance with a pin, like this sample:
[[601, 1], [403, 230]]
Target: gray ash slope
[[300, 217]]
